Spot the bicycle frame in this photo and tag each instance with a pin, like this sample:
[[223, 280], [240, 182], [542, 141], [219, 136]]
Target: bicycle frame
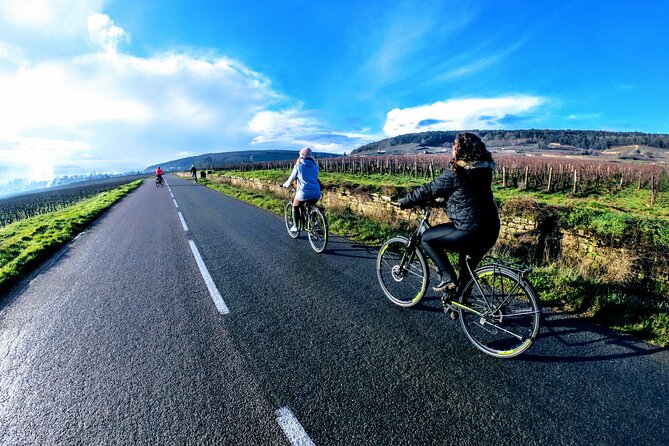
[[414, 240]]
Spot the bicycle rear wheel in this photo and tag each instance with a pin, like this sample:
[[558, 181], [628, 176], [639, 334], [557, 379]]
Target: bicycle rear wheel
[[402, 272], [318, 232], [501, 316], [288, 218]]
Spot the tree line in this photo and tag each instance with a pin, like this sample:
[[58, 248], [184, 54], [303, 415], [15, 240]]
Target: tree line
[[582, 139]]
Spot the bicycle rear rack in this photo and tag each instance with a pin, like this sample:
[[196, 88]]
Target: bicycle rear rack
[[522, 270]]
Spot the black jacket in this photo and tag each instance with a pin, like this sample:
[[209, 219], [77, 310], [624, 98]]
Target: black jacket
[[467, 195]]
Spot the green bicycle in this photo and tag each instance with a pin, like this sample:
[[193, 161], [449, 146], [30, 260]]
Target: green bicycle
[[498, 308]]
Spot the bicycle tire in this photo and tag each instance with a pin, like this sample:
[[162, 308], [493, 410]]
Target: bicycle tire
[[288, 218], [502, 316], [407, 288], [318, 230]]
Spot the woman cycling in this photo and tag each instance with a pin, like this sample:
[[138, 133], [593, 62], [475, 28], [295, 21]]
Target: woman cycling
[[308, 189], [474, 226]]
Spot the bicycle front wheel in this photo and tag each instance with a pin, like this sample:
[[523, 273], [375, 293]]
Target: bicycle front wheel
[[499, 312], [402, 272], [288, 218], [318, 232]]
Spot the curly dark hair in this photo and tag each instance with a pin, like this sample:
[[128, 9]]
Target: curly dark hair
[[468, 147]]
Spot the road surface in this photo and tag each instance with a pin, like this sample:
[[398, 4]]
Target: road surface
[[184, 316]]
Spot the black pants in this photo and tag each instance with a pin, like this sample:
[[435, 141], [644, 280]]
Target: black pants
[[297, 210], [445, 237]]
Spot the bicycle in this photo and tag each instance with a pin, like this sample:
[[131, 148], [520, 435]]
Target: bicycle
[[315, 223], [160, 182], [498, 308]]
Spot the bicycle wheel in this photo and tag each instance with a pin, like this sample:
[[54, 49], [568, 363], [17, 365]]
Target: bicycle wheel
[[402, 272], [318, 231], [500, 313], [288, 218]]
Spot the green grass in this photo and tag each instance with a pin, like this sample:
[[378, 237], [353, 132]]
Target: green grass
[[626, 200], [373, 182], [628, 310], [26, 242]]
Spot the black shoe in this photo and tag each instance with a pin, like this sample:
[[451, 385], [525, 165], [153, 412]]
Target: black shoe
[[445, 285]]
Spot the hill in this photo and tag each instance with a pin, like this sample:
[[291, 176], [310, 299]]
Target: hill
[[559, 142], [213, 160]]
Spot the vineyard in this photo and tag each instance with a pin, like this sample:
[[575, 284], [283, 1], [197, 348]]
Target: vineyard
[[576, 176], [29, 205]]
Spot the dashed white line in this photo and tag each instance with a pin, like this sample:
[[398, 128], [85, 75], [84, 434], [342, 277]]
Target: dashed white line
[[213, 291], [175, 204], [183, 222], [292, 428]]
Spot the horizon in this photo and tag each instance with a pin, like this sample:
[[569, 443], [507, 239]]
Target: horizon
[[96, 85]]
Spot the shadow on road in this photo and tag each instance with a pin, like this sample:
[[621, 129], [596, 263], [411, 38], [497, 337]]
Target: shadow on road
[[344, 249], [578, 339], [570, 331]]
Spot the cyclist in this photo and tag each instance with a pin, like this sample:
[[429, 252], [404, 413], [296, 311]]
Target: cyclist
[[159, 175], [193, 172], [308, 189], [474, 226]]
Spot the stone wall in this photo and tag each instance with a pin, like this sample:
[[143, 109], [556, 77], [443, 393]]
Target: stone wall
[[523, 236]]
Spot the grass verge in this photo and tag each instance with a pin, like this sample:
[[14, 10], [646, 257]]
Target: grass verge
[[25, 243], [644, 314]]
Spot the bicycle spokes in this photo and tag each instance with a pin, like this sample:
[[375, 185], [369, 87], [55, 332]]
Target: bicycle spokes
[[499, 312], [402, 273]]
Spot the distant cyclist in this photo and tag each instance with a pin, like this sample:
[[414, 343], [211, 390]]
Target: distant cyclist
[[159, 175], [308, 189], [474, 226], [193, 172]]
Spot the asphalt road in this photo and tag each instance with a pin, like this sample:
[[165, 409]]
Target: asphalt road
[[118, 340]]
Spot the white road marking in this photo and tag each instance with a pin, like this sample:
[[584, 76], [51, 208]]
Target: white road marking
[[175, 204], [213, 291], [292, 428], [183, 222]]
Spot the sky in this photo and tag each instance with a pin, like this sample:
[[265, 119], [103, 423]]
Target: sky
[[118, 85]]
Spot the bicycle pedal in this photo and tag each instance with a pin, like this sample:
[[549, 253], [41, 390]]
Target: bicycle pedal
[[451, 312]]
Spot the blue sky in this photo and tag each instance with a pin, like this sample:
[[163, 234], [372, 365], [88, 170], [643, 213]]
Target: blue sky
[[118, 85]]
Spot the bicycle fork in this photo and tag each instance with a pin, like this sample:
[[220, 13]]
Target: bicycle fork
[[408, 256]]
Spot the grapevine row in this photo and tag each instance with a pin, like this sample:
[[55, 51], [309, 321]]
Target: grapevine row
[[578, 176]]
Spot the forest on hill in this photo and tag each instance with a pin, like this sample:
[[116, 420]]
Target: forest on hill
[[584, 141]]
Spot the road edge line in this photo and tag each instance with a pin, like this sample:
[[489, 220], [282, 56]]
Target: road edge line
[[292, 428]]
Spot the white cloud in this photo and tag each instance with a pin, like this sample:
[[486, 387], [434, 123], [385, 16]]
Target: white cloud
[[35, 159], [49, 17], [458, 114], [281, 126], [102, 31], [130, 111], [294, 128]]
